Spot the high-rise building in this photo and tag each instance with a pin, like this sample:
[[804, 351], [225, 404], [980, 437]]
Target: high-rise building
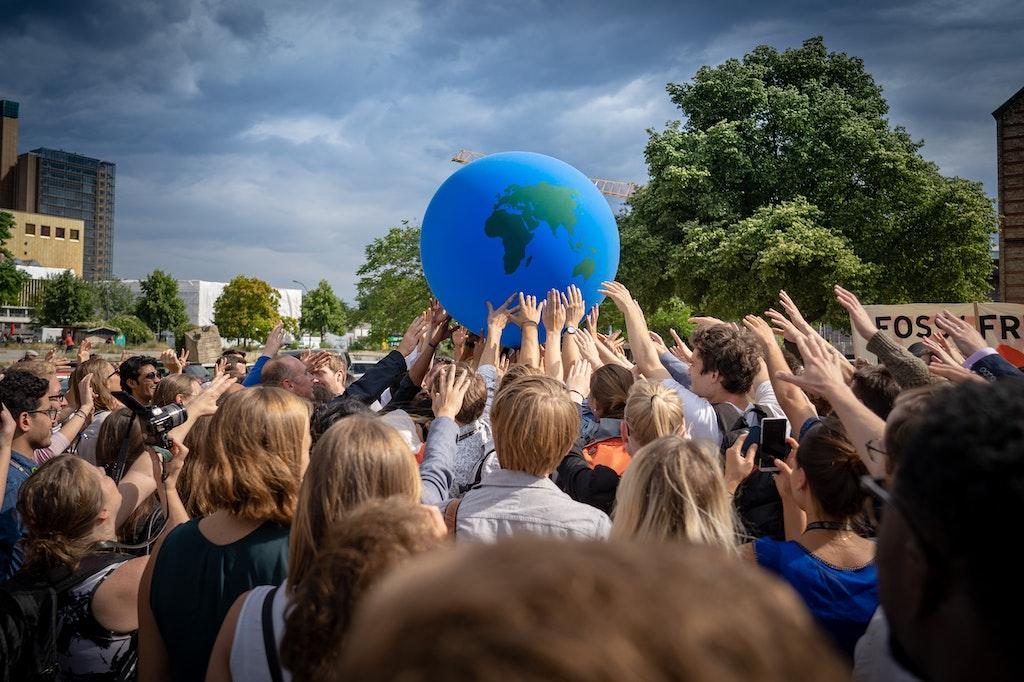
[[1010, 159], [59, 183], [8, 151]]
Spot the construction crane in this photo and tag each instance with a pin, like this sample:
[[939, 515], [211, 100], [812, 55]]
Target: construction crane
[[609, 188]]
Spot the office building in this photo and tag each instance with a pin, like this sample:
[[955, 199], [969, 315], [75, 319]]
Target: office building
[[58, 183], [1010, 163], [48, 240]]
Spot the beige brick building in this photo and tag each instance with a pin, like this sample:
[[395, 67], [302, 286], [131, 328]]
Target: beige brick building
[[51, 241]]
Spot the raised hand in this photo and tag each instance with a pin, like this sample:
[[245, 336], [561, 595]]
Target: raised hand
[[553, 314], [760, 329], [452, 384], [183, 359], [84, 351], [782, 326], [954, 373], [220, 367], [274, 340], [618, 294], [206, 402], [795, 316], [168, 470], [498, 318], [578, 380], [940, 355], [7, 427], [459, 338], [413, 332], [584, 340], [681, 350], [527, 311], [963, 334], [86, 396], [575, 308], [706, 321], [659, 343], [593, 317], [737, 465], [823, 372], [859, 317], [170, 361]]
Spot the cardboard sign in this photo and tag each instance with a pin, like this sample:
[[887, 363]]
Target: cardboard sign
[[1002, 325]]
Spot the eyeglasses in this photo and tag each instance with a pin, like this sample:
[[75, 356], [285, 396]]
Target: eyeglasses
[[931, 553], [51, 413], [151, 376]]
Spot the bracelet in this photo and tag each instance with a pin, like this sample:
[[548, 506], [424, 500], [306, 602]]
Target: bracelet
[[530, 322], [573, 390], [81, 414]]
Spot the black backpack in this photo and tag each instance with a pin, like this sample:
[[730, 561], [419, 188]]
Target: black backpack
[[29, 627], [757, 500]]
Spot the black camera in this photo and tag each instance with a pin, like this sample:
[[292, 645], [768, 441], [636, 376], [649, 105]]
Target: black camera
[[156, 421]]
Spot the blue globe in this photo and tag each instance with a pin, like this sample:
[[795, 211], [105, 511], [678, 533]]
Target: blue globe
[[515, 222]]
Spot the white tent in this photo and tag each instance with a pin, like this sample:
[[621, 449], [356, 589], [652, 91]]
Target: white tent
[[199, 297]]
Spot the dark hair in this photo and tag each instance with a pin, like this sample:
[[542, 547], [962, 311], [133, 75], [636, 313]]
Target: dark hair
[[326, 414], [476, 395], [21, 391], [609, 388], [371, 540], [833, 469], [130, 368], [961, 478], [735, 355], [907, 412], [876, 387]]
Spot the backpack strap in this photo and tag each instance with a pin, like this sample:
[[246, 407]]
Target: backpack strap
[[269, 638], [451, 515]]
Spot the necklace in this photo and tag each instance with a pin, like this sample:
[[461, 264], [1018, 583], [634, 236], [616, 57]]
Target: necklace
[[826, 525]]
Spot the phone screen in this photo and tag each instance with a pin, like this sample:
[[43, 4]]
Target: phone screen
[[773, 443]]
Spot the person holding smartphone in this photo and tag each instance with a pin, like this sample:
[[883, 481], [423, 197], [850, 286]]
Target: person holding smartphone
[[823, 557]]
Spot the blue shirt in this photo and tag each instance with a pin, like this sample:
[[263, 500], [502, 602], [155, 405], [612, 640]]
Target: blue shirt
[[11, 530], [841, 600]]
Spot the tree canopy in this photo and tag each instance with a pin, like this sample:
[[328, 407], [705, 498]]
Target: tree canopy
[[111, 298], [159, 305], [392, 289], [64, 301], [11, 278], [134, 329], [246, 309], [322, 311], [787, 173]]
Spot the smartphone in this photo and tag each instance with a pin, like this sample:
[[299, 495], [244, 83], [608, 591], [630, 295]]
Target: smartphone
[[773, 443]]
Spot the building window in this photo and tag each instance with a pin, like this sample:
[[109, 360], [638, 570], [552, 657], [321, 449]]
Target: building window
[[44, 230], [30, 228], [60, 233], [74, 235]]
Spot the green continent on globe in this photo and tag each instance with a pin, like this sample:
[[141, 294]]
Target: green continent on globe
[[585, 267], [520, 210]]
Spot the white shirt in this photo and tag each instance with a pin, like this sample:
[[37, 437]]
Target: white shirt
[[248, 655], [700, 413]]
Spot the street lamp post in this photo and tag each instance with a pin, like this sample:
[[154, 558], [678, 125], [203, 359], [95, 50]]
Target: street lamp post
[[305, 289]]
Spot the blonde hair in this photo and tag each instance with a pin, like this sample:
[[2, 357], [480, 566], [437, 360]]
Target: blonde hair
[[534, 423], [101, 371], [170, 387], [253, 462], [652, 411], [359, 458], [674, 490]]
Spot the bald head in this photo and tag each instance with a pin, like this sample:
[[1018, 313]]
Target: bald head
[[289, 373]]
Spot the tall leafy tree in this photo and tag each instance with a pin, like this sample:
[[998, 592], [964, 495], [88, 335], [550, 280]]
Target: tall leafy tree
[[11, 278], [392, 289], [246, 309], [787, 173], [112, 298], [134, 329], [159, 305], [322, 311], [64, 300]]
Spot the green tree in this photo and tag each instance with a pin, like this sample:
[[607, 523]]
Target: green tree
[[246, 309], [12, 280], [322, 311], [787, 173], [64, 301], [135, 330], [112, 298], [392, 289], [159, 305], [673, 313]]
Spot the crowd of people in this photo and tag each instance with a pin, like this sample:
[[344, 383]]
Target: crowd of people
[[745, 504]]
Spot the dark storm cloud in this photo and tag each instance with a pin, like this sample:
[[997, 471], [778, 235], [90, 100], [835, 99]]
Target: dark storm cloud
[[276, 138]]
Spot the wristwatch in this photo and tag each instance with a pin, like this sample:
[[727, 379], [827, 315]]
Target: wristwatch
[[570, 330]]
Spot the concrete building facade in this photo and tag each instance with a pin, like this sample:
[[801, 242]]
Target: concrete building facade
[[1010, 163], [49, 240]]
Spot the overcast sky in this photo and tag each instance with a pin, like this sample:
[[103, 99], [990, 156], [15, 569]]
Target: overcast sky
[[277, 139]]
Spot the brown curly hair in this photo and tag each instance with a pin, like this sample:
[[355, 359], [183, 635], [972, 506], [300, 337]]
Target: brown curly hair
[[372, 540], [734, 354]]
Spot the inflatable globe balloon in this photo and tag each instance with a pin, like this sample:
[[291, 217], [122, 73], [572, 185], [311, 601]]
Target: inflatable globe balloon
[[515, 222]]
